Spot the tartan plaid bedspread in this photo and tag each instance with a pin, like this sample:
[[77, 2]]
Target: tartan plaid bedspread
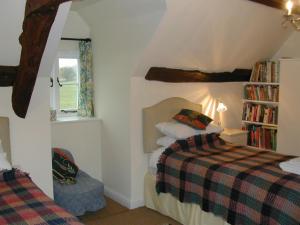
[[242, 186], [23, 203]]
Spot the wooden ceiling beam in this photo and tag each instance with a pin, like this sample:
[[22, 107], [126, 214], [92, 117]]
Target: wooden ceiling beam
[[8, 75], [39, 17], [278, 4], [186, 76]]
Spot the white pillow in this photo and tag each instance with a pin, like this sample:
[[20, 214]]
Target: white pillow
[[154, 157], [181, 131], [212, 128], [165, 141], [4, 164]]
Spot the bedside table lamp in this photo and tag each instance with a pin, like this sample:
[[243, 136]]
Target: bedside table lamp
[[221, 108]]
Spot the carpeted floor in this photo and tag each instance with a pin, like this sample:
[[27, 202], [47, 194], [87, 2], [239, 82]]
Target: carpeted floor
[[115, 214]]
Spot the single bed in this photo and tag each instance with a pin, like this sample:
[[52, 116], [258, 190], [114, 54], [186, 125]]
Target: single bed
[[168, 203], [187, 214], [21, 201]]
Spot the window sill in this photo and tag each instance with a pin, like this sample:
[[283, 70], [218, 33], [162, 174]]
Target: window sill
[[74, 119]]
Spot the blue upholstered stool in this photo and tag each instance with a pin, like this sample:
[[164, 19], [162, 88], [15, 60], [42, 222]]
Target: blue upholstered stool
[[84, 196]]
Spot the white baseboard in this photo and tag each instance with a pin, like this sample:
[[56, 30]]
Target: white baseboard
[[116, 196], [137, 203], [121, 199]]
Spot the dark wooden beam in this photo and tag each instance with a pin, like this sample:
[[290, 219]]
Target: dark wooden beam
[[8, 75], [181, 76], [39, 17], [278, 4], [76, 39]]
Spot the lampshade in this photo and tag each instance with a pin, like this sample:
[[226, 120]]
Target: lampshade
[[221, 107]]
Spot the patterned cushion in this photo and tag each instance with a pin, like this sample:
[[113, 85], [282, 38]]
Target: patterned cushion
[[65, 153], [192, 118], [64, 169]]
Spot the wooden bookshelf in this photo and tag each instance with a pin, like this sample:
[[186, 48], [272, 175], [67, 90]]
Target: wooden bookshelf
[[261, 102], [260, 106], [261, 124], [256, 148], [262, 83]]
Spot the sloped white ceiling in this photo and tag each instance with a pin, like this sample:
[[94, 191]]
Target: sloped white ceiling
[[12, 15], [210, 35], [80, 4]]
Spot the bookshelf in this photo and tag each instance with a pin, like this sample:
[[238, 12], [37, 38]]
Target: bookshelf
[[260, 106]]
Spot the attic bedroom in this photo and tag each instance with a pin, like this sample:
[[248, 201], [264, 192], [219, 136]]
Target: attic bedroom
[[166, 112]]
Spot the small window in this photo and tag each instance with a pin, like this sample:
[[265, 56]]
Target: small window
[[68, 78], [64, 94]]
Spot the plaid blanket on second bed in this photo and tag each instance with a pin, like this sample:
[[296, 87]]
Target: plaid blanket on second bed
[[23, 203], [243, 186]]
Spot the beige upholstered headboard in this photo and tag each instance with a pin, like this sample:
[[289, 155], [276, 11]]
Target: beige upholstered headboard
[[162, 112], [4, 136]]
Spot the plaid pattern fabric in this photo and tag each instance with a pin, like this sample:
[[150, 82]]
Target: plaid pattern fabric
[[243, 186], [23, 203]]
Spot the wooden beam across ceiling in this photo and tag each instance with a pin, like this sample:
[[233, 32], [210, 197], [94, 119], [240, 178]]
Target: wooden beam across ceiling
[[186, 76], [8, 75], [279, 4], [39, 17]]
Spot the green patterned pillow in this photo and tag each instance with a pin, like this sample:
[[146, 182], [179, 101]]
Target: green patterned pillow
[[193, 119], [64, 169]]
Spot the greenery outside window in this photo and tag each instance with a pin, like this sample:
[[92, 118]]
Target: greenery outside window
[[71, 92], [64, 94], [68, 78]]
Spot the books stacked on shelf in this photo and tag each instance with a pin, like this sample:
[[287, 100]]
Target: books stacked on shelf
[[262, 93], [260, 113], [266, 71], [262, 137]]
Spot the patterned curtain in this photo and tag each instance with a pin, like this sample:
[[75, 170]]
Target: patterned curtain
[[86, 96]]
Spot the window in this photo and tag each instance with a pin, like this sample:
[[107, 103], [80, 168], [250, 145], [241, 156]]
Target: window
[[68, 78], [66, 85]]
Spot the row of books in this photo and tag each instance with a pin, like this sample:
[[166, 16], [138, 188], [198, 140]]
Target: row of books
[[262, 93], [266, 71], [262, 137], [260, 113]]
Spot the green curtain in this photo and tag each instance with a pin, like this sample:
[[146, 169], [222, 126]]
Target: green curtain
[[86, 96]]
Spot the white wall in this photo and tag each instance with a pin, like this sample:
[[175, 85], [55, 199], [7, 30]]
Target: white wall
[[214, 35], [288, 129], [76, 27], [131, 36], [30, 137], [291, 48], [83, 139], [12, 12], [289, 110]]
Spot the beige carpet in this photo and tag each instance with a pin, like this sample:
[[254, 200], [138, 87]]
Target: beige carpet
[[115, 214]]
